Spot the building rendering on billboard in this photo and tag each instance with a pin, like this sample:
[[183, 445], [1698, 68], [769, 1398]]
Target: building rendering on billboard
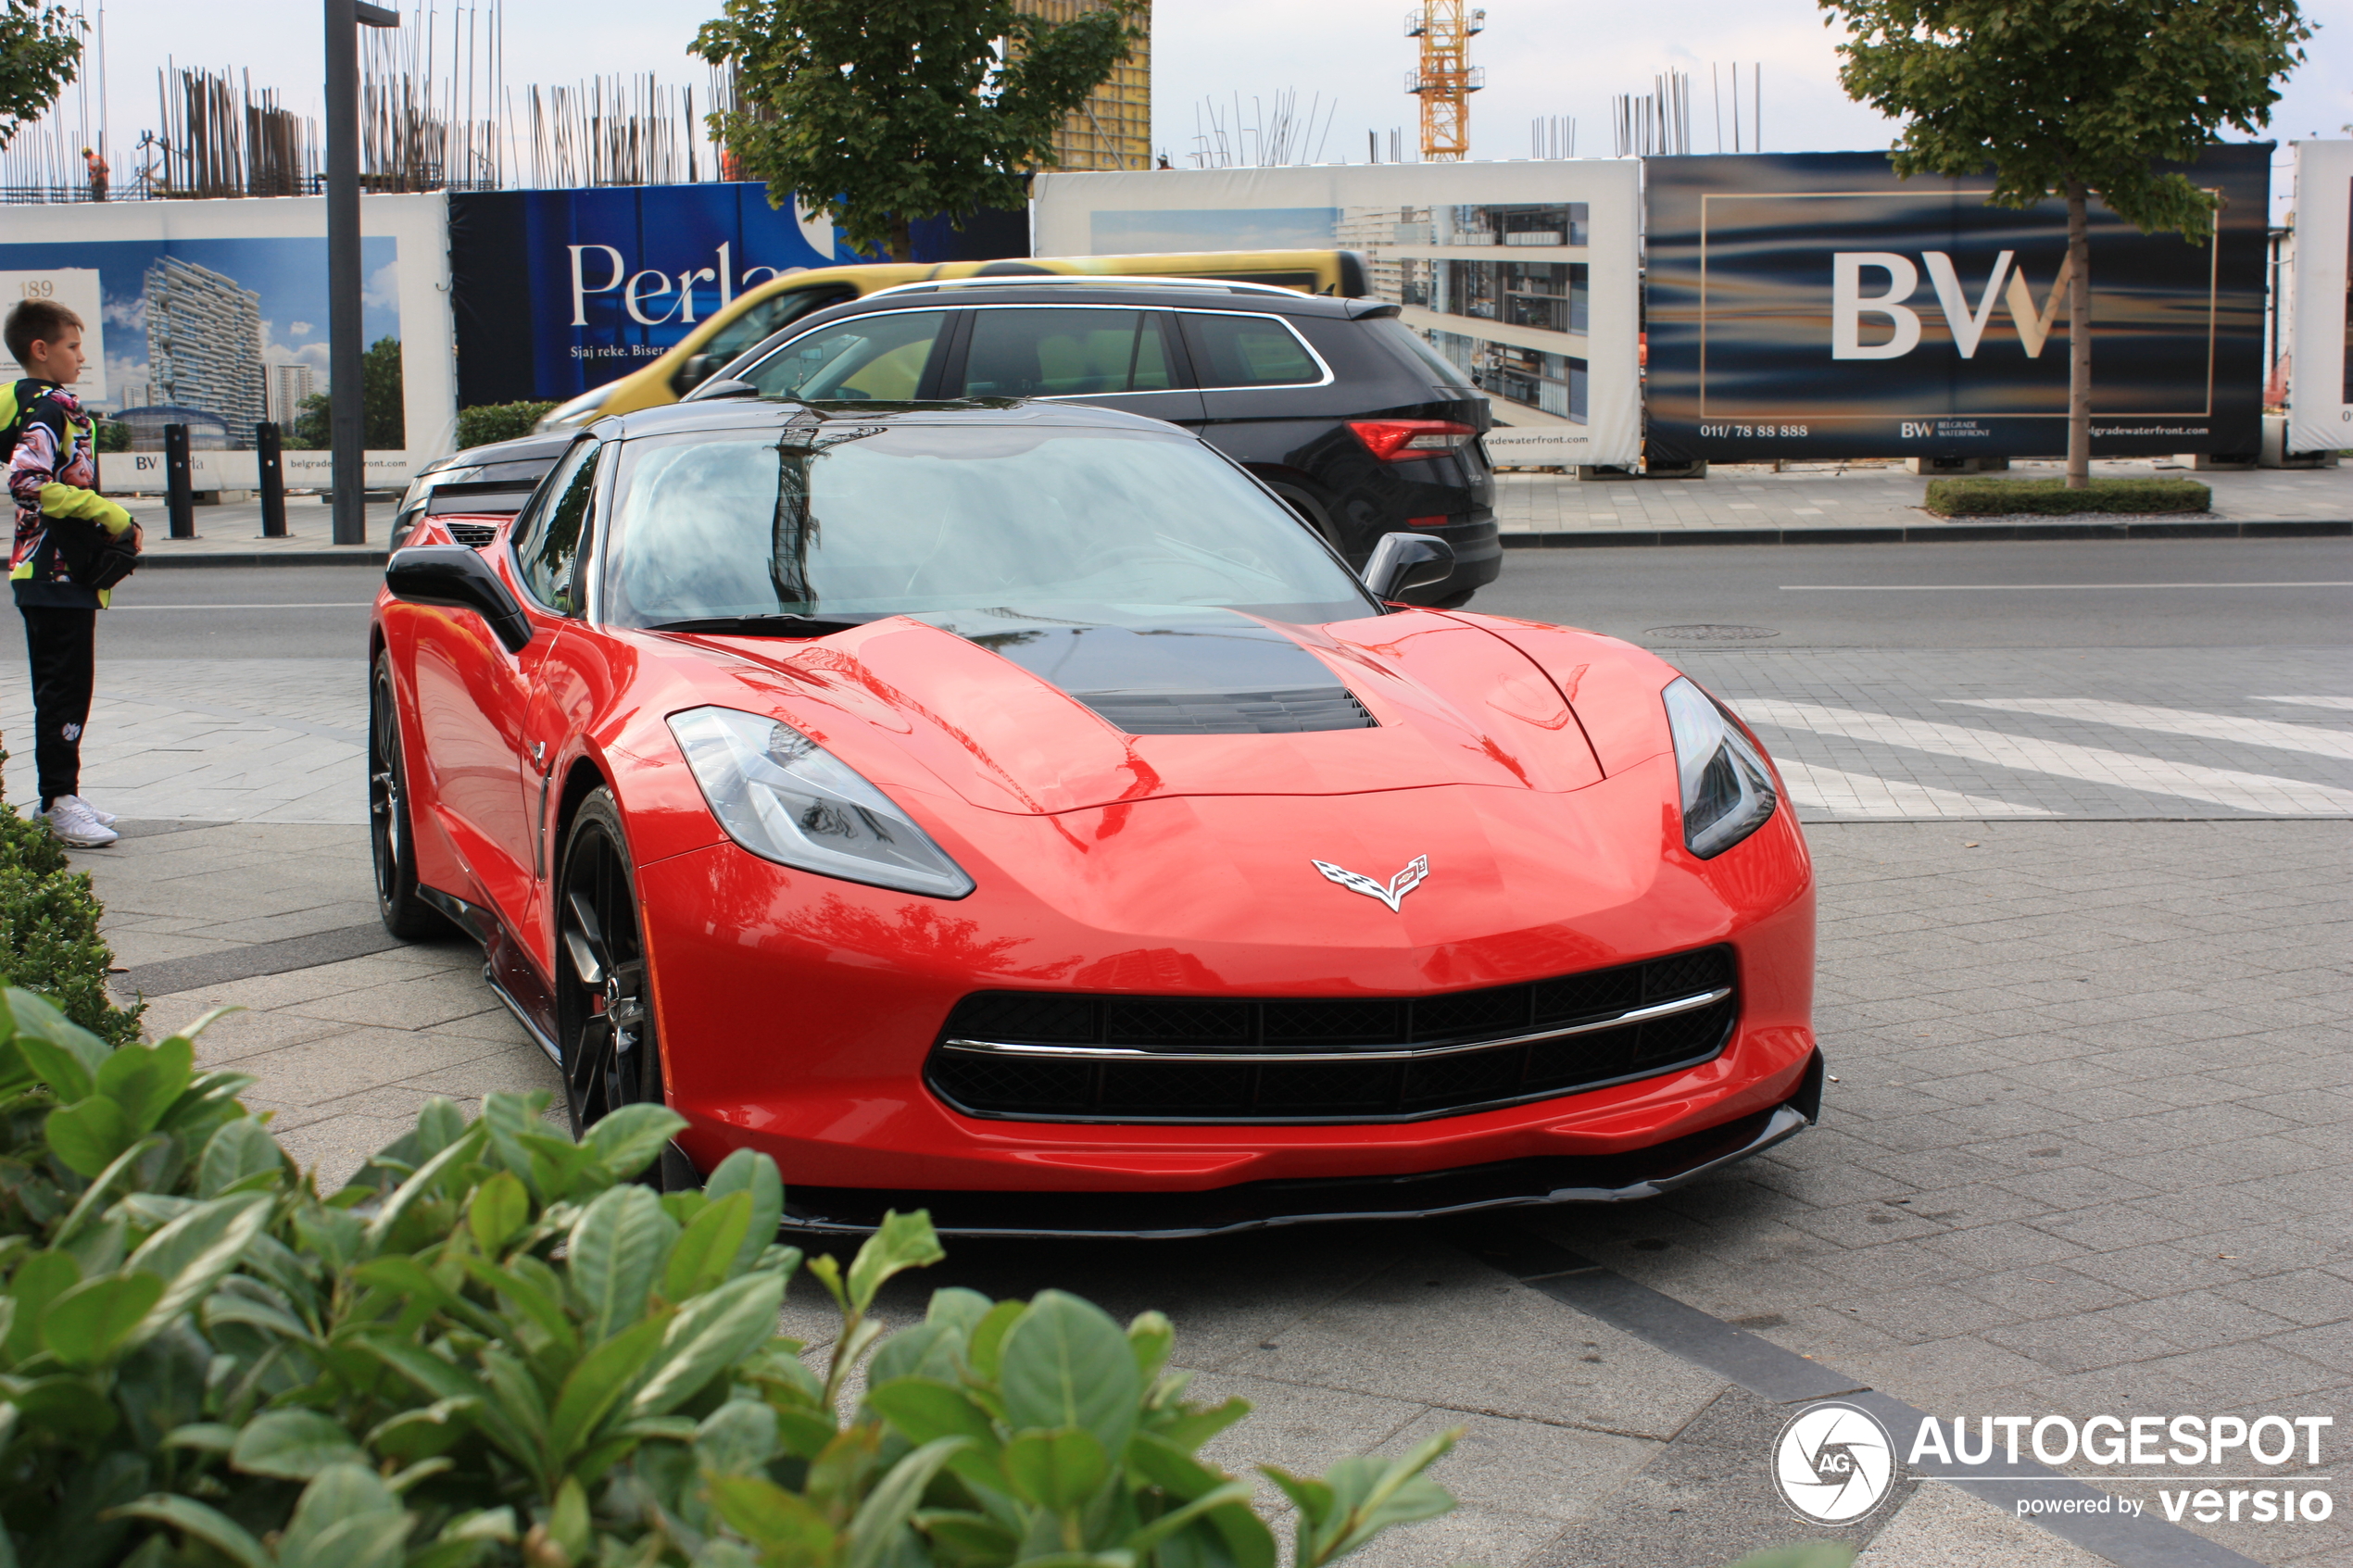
[[1524, 274], [2320, 377], [1815, 305], [212, 315]]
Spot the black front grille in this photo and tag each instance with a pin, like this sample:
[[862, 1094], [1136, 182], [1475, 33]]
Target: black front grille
[[474, 534], [1254, 1075], [1290, 711]]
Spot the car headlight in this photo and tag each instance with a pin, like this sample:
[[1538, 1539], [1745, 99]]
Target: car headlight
[[1728, 791], [786, 798]]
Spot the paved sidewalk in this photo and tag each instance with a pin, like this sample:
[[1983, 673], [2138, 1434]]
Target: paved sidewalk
[[235, 530], [2085, 1155], [1750, 495]]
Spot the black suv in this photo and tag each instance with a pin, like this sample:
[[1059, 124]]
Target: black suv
[[1336, 405]]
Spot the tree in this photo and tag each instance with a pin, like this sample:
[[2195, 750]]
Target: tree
[[2071, 98], [884, 111], [383, 419], [39, 47]]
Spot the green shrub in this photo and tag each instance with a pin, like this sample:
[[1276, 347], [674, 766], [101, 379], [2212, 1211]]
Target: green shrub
[[491, 1347], [49, 940], [487, 422], [1978, 497]]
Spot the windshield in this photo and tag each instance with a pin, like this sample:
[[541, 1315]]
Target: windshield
[[839, 520]]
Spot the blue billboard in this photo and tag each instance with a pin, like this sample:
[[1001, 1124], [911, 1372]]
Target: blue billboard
[[556, 292]]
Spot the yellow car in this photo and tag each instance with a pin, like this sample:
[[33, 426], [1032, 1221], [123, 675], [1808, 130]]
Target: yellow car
[[780, 301]]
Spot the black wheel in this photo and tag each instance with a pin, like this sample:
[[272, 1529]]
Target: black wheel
[[390, 845], [604, 1016]]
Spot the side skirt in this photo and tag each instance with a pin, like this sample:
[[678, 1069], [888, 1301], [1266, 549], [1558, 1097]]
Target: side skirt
[[510, 974]]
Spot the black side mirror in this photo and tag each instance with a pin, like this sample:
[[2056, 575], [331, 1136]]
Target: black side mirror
[[459, 577], [694, 372], [1407, 560]]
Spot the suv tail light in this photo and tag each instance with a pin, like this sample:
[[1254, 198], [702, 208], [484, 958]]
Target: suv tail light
[[1399, 441]]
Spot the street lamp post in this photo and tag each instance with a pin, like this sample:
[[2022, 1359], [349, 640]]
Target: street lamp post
[[346, 393]]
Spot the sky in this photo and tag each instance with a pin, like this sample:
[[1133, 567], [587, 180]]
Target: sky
[[1350, 57]]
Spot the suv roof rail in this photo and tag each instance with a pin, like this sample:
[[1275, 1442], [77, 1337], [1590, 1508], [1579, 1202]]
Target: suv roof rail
[[1126, 280]]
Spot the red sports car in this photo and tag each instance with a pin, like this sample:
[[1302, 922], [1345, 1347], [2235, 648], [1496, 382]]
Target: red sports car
[[1015, 810]]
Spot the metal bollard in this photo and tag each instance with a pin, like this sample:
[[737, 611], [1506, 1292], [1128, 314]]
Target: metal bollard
[[273, 479], [178, 492]]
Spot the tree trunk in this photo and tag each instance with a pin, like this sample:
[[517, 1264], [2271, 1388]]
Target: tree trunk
[[2079, 337], [902, 241]]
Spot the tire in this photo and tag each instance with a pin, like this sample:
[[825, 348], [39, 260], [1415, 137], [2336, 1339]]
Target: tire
[[610, 1056], [392, 844]]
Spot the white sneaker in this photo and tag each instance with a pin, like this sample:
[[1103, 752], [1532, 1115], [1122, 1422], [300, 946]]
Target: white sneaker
[[104, 819], [69, 819]]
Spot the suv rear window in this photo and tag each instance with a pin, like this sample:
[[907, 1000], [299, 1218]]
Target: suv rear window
[[1248, 351]]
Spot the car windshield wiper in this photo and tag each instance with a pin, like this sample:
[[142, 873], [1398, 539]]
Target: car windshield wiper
[[778, 623]]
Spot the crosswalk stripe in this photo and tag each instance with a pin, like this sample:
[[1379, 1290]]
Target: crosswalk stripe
[[2216, 786], [1861, 794], [2176, 721], [2343, 704]]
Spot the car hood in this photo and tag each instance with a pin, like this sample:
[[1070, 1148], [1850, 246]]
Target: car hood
[[1028, 713]]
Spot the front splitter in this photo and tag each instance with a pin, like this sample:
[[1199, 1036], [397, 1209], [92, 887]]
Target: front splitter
[[1169, 1216]]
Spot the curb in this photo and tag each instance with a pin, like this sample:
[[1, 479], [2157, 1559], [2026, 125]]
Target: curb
[[349, 556], [1937, 533]]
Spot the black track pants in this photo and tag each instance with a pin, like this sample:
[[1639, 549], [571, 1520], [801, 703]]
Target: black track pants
[[63, 646]]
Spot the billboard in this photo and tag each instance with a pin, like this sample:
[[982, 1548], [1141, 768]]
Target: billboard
[[560, 291], [1816, 305], [2320, 380], [212, 314], [1524, 274]]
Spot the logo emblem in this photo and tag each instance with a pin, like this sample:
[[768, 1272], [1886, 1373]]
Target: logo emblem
[[1404, 882], [1834, 1462]]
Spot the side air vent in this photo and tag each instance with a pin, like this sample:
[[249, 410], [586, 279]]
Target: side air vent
[[1230, 713], [474, 534]]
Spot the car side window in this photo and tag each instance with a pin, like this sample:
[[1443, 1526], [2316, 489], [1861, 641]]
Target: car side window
[[1065, 353], [1248, 351], [547, 541], [877, 358]]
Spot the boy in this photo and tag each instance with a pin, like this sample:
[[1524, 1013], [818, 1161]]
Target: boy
[[52, 468]]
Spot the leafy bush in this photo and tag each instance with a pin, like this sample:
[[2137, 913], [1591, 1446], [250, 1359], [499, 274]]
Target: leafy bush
[[486, 422], [49, 940], [2010, 497], [491, 1347]]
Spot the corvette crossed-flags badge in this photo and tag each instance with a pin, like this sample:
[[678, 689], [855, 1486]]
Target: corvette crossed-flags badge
[[1404, 882]]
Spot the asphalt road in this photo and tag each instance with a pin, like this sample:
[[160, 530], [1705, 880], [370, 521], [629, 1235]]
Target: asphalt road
[[2171, 593], [2183, 593]]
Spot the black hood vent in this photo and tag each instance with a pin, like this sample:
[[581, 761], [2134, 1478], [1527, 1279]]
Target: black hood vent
[[1185, 672], [1281, 712]]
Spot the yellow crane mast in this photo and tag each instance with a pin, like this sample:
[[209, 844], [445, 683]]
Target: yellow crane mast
[[1445, 79]]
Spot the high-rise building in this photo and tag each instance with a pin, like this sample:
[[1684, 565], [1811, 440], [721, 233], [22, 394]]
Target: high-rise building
[[1113, 128], [204, 343], [289, 384]]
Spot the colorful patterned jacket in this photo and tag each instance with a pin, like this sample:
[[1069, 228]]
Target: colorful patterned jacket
[[51, 477]]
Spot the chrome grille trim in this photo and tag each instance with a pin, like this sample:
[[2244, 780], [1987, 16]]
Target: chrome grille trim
[[1377, 1053]]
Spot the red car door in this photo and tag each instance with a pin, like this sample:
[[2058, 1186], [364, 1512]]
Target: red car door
[[474, 698]]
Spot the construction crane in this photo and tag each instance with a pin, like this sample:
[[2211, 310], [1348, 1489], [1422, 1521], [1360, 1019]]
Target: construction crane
[[1445, 79]]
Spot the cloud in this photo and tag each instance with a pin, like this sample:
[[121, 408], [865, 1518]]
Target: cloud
[[130, 313], [384, 288], [298, 329]]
